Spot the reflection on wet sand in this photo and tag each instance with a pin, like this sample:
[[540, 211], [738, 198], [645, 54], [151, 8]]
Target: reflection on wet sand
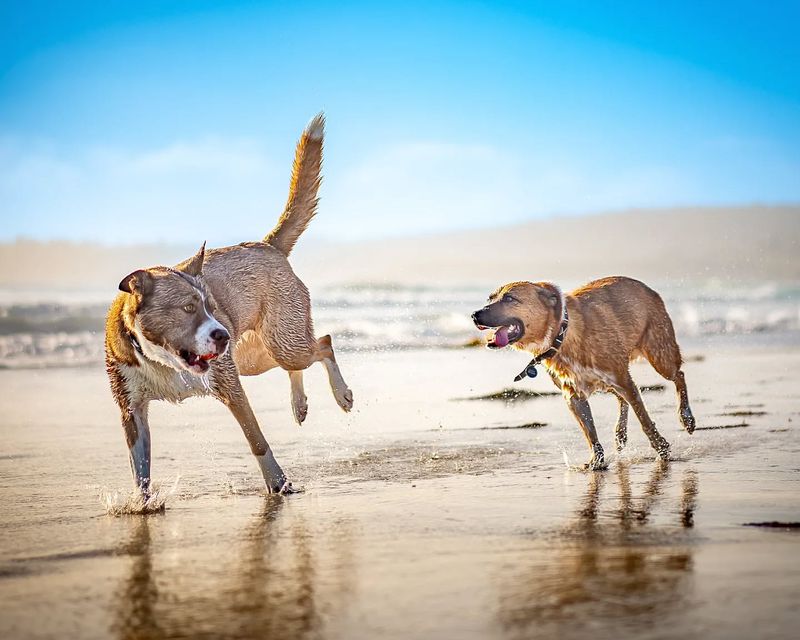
[[610, 563], [270, 584], [136, 600]]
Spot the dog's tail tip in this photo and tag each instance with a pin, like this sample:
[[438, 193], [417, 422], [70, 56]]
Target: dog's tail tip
[[315, 129], [301, 206]]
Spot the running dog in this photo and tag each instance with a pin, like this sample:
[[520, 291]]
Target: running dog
[[586, 341], [193, 329]]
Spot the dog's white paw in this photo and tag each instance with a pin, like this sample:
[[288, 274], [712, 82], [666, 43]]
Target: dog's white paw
[[282, 487], [288, 488]]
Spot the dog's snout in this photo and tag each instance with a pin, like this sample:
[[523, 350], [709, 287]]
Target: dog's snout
[[220, 338]]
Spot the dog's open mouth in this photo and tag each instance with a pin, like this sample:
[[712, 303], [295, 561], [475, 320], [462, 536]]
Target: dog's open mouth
[[503, 335], [199, 363]]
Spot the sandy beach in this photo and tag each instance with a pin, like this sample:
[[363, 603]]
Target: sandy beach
[[407, 160], [428, 512]]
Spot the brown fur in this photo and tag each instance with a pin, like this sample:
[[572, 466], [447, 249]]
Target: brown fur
[[612, 321], [301, 206], [249, 298]]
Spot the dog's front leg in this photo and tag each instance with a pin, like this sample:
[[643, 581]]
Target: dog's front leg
[[137, 435], [274, 477], [583, 413], [229, 391]]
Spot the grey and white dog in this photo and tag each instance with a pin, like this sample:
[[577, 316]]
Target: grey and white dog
[[193, 329]]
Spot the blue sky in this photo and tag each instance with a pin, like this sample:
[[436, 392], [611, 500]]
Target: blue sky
[[175, 121]]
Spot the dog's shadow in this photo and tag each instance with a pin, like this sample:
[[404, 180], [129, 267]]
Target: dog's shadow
[[624, 557], [265, 583]]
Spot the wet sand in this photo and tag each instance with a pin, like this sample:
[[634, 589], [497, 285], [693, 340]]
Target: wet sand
[[426, 514]]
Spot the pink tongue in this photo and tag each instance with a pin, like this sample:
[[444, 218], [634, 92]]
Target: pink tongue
[[501, 337]]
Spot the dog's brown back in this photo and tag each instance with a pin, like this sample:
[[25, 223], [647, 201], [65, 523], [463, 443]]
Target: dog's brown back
[[624, 319]]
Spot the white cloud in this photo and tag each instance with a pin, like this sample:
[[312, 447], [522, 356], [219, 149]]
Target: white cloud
[[224, 190], [217, 157], [426, 186], [212, 188]]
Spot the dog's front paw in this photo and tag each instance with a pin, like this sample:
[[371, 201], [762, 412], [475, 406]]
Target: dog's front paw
[[283, 487], [288, 488]]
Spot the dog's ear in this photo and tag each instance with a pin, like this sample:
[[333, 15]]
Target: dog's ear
[[549, 296], [137, 283], [194, 265]]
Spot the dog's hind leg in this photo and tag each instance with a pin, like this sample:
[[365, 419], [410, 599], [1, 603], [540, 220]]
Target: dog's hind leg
[[684, 410], [299, 399], [630, 392], [661, 349], [342, 393], [583, 414], [621, 429]]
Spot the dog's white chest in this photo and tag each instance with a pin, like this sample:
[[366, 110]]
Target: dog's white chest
[[152, 381]]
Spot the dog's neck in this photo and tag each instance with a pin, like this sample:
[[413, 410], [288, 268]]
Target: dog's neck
[[554, 324], [560, 327], [550, 348]]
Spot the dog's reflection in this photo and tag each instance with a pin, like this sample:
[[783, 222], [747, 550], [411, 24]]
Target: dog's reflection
[[621, 558], [135, 602], [267, 584]]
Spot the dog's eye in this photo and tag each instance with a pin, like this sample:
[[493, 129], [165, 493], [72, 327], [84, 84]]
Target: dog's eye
[[189, 308], [508, 298]]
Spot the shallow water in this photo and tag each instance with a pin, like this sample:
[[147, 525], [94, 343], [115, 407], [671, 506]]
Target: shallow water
[[424, 514]]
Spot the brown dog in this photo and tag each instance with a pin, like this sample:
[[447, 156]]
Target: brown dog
[[586, 341], [193, 329]]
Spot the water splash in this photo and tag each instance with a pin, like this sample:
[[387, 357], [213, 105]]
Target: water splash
[[133, 503]]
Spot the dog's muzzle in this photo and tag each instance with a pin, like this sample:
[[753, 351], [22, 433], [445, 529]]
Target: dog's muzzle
[[476, 318], [221, 339]]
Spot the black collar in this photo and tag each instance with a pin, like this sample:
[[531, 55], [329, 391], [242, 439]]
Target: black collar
[[530, 370]]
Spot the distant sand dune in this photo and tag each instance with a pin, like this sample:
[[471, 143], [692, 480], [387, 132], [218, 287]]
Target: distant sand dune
[[728, 243]]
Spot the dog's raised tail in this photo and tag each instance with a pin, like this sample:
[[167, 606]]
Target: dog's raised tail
[[301, 206]]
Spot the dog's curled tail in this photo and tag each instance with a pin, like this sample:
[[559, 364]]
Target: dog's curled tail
[[301, 206]]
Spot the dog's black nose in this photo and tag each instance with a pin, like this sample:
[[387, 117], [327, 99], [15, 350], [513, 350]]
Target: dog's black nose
[[220, 337]]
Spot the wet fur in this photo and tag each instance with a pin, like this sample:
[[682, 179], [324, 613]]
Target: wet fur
[[252, 291], [612, 321]]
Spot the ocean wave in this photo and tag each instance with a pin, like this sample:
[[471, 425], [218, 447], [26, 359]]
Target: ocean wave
[[366, 317]]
